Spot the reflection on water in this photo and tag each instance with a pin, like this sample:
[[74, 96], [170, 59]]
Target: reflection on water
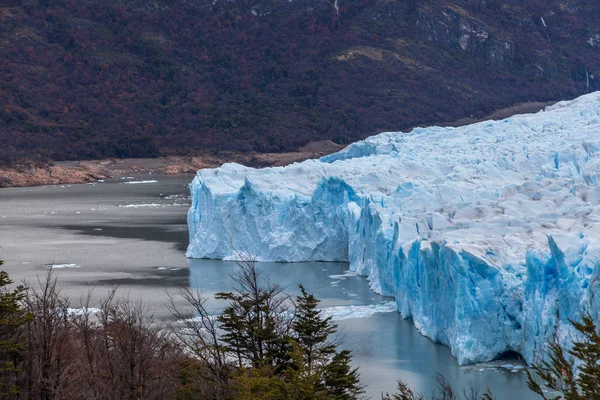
[[141, 249]]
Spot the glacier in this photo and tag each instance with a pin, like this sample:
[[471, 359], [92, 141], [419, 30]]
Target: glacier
[[487, 235]]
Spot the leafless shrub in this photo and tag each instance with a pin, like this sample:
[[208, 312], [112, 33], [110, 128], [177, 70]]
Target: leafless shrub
[[120, 352], [51, 353], [127, 354]]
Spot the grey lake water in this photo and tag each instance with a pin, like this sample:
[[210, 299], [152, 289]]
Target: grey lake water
[[132, 233]]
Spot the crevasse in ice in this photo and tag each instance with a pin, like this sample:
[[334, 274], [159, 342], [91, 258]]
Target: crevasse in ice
[[487, 235]]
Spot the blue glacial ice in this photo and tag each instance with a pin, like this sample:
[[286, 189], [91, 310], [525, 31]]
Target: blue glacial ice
[[487, 235]]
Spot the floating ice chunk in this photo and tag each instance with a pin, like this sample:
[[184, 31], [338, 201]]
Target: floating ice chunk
[[152, 205], [351, 312], [343, 276], [143, 205], [177, 197], [59, 266], [138, 182], [163, 268]]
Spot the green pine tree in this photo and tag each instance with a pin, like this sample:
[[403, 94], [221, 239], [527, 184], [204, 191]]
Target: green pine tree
[[312, 332], [559, 371], [12, 344], [404, 393], [341, 380], [588, 352], [256, 329], [323, 368], [445, 391]]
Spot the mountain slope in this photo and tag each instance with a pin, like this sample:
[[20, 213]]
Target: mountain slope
[[85, 79]]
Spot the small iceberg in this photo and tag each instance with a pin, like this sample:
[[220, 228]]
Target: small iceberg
[[340, 313], [138, 182], [60, 266]]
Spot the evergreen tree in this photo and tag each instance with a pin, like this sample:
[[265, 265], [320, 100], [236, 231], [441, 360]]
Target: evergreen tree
[[274, 353], [255, 324], [404, 393], [12, 344], [341, 380], [322, 368], [304, 385], [312, 332], [588, 352], [559, 372], [445, 391]]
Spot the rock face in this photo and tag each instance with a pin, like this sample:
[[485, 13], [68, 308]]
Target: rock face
[[31, 173], [487, 235], [131, 78], [34, 174]]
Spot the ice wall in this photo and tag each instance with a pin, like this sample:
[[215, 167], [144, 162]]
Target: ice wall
[[487, 235]]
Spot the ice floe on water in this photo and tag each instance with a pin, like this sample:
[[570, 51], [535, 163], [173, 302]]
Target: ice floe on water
[[502, 365], [152, 205], [163, 268], [339, 313], [178, 197], [61, 266], [140, 182], [343, 276], [143, 205]]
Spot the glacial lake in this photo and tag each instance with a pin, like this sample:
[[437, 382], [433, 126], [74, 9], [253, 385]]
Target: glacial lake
[[132, 233]]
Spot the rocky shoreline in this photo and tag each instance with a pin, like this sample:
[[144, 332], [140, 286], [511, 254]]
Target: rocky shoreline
[[35, 174], [32, 173]]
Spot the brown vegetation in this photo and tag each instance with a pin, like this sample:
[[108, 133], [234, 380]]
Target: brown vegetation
[[84, 79], [117, 353]]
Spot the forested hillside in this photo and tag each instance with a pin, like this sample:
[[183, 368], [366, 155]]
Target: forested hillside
[[103, 78]]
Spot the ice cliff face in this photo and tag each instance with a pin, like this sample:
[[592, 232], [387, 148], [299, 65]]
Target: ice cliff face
[[487, 235]]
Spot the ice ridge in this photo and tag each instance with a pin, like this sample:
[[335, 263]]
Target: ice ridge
[[487, 235]]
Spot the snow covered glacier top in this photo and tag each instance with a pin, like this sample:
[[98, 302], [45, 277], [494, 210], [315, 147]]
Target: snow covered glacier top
[[487, 235]]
